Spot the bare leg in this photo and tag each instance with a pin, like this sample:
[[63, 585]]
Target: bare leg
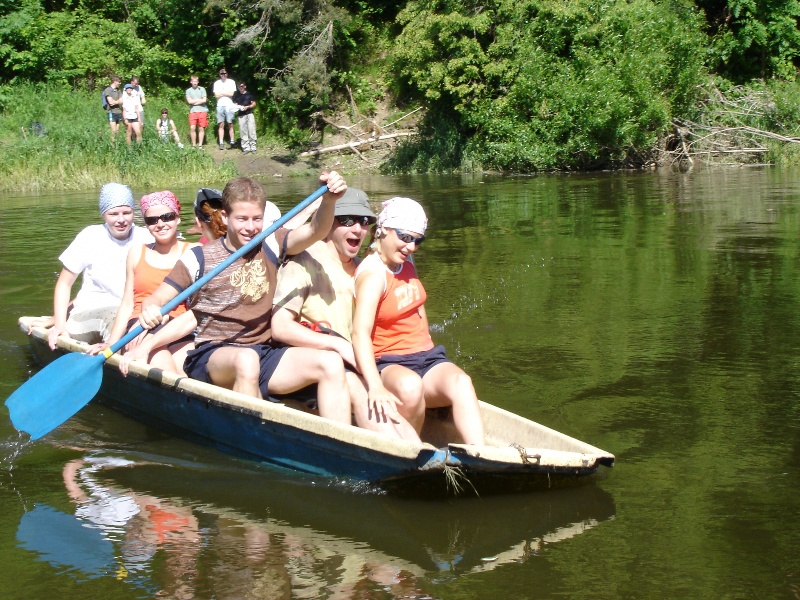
[[300, 367], [221, 132], [366, 418], [179, 350], [231, 133], [447, 385], [407, 386], [200, 135], [161, 358], [237, 369], [193, 134]]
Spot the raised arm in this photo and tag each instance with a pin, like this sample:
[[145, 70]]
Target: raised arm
[[301, 238]]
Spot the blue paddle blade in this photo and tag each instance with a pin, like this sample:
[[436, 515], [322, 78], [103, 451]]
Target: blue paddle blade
[[55, 393]]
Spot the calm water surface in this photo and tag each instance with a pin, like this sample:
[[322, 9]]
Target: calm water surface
[[652, 315]]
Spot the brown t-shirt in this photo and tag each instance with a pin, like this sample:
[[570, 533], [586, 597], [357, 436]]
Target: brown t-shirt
[[235, 307]]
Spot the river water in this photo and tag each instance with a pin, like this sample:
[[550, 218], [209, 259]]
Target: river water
[[651, 315]]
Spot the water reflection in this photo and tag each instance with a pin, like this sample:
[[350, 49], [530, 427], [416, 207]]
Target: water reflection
[[237, 533]]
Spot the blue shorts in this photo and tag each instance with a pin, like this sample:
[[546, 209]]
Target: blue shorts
[[225, 113], [419, 362], [196, 364], [114, 117]]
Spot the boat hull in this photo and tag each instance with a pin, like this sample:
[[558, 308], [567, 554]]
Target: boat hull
[[287, 437]]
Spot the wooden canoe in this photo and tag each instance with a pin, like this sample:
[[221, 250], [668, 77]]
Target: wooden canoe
[[521, 454]]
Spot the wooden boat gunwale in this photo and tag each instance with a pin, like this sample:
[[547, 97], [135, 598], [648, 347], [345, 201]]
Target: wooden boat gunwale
[[285, 436]]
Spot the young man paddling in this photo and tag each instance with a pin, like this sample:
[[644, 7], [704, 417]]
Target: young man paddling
[[233, 340], [314, 304]]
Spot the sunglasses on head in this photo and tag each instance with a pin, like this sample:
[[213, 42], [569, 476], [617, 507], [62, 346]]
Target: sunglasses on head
[[166, 218], [406, 237], [350, 220]]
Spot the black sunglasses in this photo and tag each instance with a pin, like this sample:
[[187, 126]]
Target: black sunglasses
[[166, 217], [407, 238], [350, 220]]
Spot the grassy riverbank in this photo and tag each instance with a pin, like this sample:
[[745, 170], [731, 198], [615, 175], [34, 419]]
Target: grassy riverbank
[[76, 152]]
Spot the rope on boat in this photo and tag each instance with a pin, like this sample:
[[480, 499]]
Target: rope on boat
[[523, 454]]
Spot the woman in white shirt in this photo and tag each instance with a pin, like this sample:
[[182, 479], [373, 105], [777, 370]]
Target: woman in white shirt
[[98, 253], [132, 113]]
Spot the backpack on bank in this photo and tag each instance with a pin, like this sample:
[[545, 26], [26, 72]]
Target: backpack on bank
[[103, 100]]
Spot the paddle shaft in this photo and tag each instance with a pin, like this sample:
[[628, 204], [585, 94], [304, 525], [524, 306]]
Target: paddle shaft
[[255, 242]]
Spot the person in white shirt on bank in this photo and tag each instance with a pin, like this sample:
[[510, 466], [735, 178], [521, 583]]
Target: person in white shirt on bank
[[224, 89]]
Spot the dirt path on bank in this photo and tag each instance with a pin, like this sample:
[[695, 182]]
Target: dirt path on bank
[[270, 162]]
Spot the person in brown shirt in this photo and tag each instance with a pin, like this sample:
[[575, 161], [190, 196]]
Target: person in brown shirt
[[233, 342]]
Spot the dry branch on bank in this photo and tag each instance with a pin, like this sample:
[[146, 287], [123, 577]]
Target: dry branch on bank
[[733, 123], [354, 145], [363, 132]]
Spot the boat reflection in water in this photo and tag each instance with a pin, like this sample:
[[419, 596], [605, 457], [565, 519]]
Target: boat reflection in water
[[183, 531]]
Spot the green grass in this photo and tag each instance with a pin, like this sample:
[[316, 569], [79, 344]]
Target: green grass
[[77, 151]]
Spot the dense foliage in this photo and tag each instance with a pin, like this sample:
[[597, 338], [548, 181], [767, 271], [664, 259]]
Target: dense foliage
[[512, 85], [539, 85]]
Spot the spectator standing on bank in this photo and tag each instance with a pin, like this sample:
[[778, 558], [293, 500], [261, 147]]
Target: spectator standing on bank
[[224, 89], [247, 121], [113, 98], [198, 113], [138, 90], [132, 111]]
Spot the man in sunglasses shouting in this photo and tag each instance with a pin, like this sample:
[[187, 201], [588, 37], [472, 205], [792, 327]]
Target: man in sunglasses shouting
[[313, 304]]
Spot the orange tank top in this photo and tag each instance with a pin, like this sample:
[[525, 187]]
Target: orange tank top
[[399, 327], [147, 278]]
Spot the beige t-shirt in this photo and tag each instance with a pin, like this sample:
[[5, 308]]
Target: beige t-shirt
[[315, 286]]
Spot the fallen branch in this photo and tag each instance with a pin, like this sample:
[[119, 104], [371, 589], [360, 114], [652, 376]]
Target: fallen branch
[[401, 118], [353, 145]]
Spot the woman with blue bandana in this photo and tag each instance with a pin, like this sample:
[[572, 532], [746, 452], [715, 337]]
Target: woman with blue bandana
[[98, 252]]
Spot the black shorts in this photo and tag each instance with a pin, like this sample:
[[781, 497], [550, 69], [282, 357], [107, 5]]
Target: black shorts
[[419, 362], [196, 365], [114, 117]]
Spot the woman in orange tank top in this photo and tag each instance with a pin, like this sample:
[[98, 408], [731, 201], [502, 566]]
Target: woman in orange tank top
[[404, 372], [146, 267]]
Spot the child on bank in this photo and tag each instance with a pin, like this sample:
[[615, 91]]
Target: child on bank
[[166, 127]]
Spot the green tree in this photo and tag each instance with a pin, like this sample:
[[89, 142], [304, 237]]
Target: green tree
[[544, 85], [753, 38]]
